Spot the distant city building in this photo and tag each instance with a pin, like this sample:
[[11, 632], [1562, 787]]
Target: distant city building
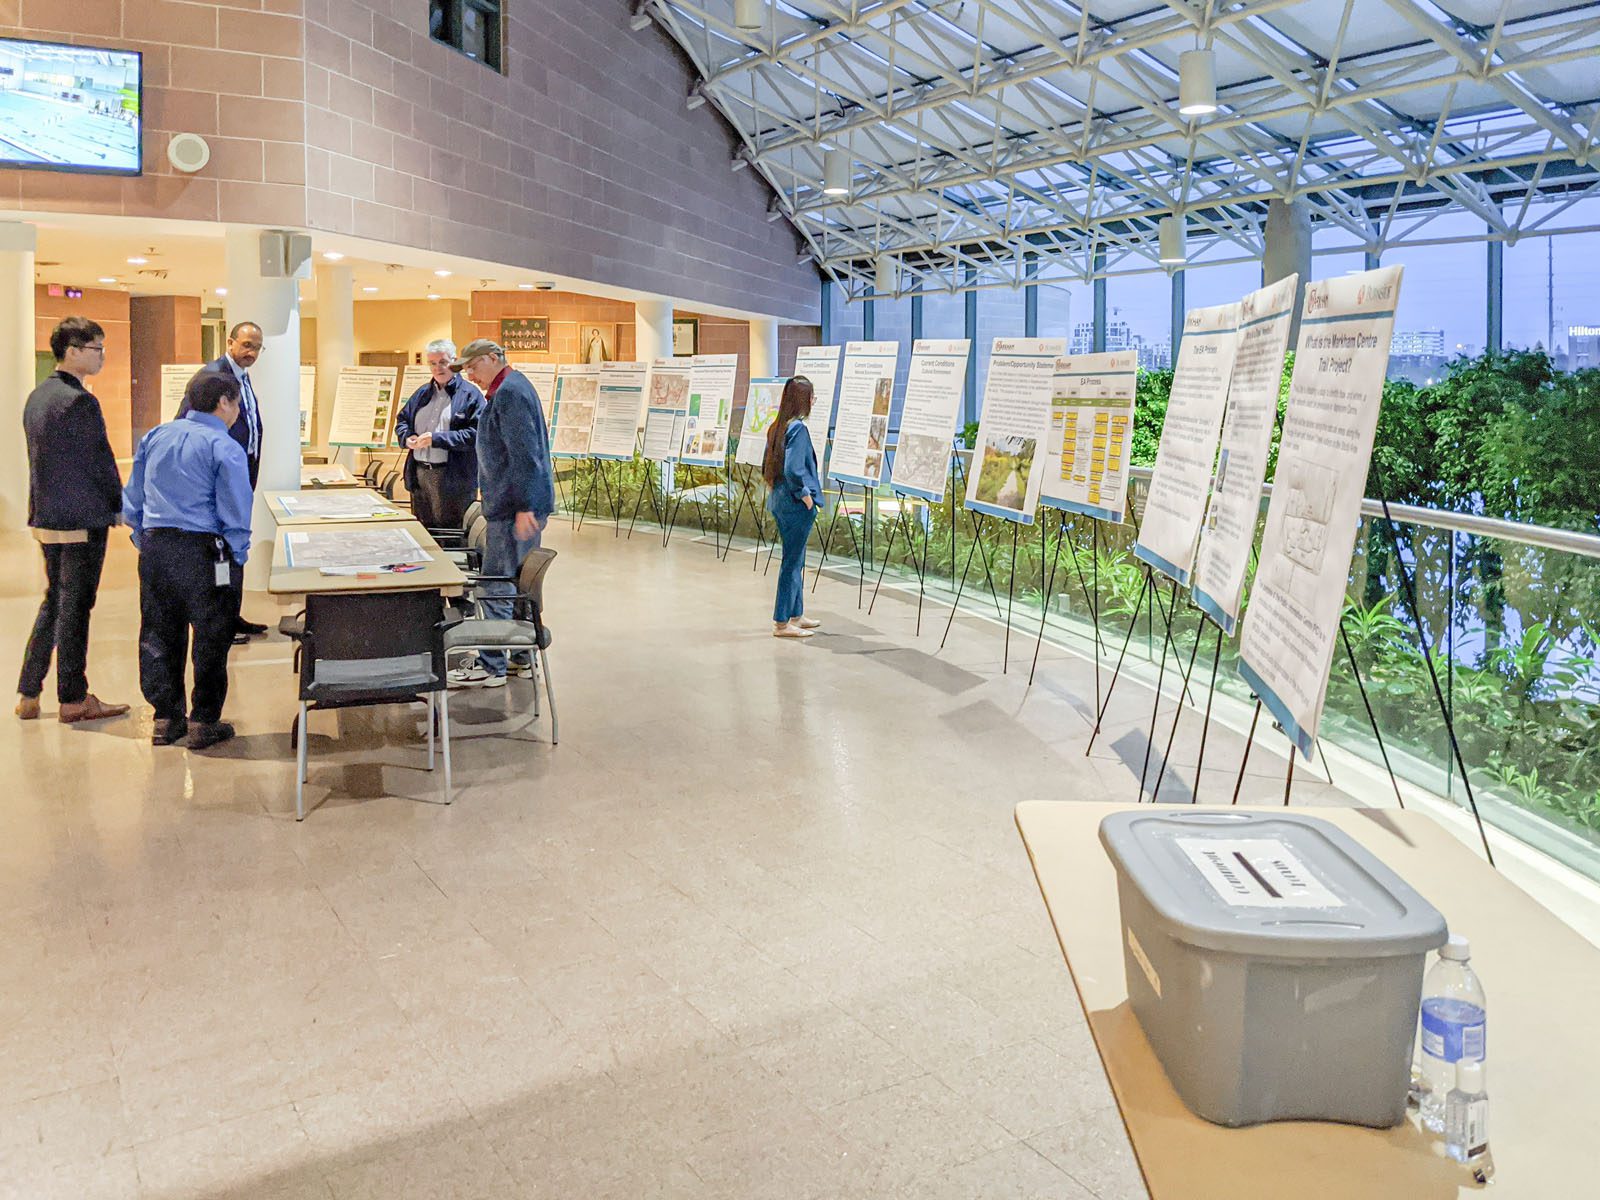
[[1153, 355], [1583, 347], [1418, 343]]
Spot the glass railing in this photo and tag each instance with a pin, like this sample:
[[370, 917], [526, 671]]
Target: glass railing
[[1511, 613]]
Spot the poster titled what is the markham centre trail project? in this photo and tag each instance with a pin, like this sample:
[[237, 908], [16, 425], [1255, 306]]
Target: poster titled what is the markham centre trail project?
[[1292, 623]]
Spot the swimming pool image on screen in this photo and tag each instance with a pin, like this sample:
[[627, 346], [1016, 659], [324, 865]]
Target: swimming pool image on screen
[[69, 108]]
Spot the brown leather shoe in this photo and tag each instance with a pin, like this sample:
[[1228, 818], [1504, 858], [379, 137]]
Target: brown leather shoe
[[91, 708], [27, 708], [203, 737], [168, 731]]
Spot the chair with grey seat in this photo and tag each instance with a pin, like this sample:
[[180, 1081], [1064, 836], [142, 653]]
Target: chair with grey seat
[[525, 630], [367, 649]]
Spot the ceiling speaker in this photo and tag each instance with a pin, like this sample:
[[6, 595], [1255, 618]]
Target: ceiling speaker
[[188, 152]]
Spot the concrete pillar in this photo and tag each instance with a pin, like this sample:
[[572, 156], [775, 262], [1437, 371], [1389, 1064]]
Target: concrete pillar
[[763, 348], [1179, 312], [17, 244], [1288, 250], [274, 304], [652, 329], [336, 339], [1494, 331]]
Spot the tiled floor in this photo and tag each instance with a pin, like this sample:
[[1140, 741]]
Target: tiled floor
[[760, 925]]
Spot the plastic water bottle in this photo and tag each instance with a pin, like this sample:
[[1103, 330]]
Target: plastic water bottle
[[1453, 1026], [1466, 1114]]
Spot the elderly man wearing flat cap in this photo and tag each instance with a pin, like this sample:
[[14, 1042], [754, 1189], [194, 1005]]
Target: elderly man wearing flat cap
[[516, 483]]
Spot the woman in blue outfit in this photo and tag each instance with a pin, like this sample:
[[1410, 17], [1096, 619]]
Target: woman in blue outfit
[[790, 469]]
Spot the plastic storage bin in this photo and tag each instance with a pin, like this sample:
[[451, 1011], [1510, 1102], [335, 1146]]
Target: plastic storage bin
[[1275, 965]]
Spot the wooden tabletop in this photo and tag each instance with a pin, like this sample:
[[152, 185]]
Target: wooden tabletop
[[383, 509], [1543, 985], [439, 573]]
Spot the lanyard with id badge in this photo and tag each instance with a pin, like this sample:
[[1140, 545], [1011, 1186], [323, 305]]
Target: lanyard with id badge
[[223, 564]]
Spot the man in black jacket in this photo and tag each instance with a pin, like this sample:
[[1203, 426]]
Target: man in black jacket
[[74, 496], [244, 348]]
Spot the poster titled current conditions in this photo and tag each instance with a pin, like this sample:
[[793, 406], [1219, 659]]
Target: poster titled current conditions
[[705, 431], [934, 387], [364, 407], [1292, 624], [866, 393], [1006, 469], [1229, 532], [666, 408], [820, 364], [1181, 481], [1091, 434]]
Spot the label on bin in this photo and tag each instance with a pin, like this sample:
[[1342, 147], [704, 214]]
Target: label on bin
[[1257, 873]]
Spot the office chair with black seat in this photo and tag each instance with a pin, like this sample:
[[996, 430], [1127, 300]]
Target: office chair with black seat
[[369, 649], [523, 632], [452, 537], [371, 473]]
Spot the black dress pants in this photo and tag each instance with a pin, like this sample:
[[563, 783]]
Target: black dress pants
[[72, 573], [433, 502], [178, 593]]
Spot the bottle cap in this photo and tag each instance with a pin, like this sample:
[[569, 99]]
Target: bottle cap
[[1456, 949], [1469, 1075]]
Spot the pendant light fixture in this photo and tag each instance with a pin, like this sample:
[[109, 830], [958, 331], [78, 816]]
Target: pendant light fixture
[[884, 281], [1174, 239], [836, 173], [749, 14], [1197, 83]]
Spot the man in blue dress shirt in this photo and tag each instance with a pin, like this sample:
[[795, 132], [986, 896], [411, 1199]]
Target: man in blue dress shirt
[[187, 505], [245, 341]]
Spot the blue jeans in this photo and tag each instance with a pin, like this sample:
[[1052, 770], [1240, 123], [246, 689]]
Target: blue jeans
[[503, 554], [794, 527]]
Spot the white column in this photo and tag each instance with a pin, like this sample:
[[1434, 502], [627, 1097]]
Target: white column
[[17, 243], [274, 304], [336, 338], [652, 329], [763, 348]]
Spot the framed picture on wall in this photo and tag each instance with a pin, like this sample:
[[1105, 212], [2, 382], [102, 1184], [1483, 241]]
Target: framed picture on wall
[[597, 344], [685, 336], [526, 334]]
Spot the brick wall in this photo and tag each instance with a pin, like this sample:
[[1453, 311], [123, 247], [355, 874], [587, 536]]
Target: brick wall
[[567, 311], [790, 339], [162, 329], [113, 386], [580, 160]]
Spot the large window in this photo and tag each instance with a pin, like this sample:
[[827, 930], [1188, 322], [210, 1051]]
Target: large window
[[846, 321], [471, 26], [944, 316], [1139, 317], [1204, 287], [1001, 313], [1066, 311], [892, 323], [1443, 309], [1552, 294]]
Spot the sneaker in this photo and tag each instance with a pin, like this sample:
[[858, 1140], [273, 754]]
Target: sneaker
[[791, 631], [807, 623], [169, 731], [203, 737], [474, 677], [27, 708], [522, 670]]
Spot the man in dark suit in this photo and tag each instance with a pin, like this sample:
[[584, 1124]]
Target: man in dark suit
[[244, 347], [439, 426], [74, 496]]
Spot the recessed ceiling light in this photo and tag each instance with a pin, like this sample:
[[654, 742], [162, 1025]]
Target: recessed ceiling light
[[332, 255], [433, 295], [108, 279], [442, 273], [369, 289], [137, 261], [527, 287], [222, 291]]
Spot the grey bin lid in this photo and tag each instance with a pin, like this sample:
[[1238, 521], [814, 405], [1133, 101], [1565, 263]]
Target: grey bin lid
[[1269, 886]]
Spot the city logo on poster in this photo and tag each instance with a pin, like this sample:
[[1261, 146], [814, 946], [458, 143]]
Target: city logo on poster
[[1316, 298], [529, 335], [1376, 294]]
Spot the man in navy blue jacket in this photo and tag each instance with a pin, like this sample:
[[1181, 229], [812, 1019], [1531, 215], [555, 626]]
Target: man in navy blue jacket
[[244, 348], [439, 426], [516, 484]]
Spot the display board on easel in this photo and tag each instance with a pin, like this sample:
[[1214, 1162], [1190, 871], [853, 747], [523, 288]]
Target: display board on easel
[[577, 395], [1292, 624], [705, 435], [363, 407], [543, 378], [1090, 443], [1006, 472], [934, 387], [666, 408], [866, 395], [174, 382], [820, 364], [760, 410], [308, 402], [616, 420]]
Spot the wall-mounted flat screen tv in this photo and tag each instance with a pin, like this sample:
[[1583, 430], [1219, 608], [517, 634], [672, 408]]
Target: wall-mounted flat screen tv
[[70, 108]]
